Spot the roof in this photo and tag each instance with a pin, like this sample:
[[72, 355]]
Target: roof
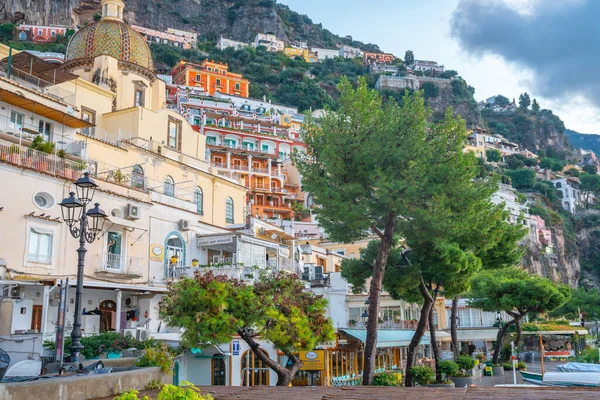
[[387, 338], [48, 74]]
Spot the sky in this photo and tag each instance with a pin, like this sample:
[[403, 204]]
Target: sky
[[500, 47]]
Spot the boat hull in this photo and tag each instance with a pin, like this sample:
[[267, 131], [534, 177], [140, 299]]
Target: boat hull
[[563, 379]]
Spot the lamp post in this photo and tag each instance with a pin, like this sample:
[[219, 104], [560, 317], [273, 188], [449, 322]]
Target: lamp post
[[74, 212], [597, 335]]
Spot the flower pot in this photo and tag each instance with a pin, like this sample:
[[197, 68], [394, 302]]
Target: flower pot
[[112, 355], [68, 173], [462, 382], [498, 370]]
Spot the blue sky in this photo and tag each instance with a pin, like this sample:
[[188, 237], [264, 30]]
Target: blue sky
[[424, 26]]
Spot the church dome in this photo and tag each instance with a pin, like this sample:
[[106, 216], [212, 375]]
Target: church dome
[[110, 36]]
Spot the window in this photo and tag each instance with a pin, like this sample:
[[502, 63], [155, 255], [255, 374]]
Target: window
[[140, 97], [249, 146], [89, 116], [40, 246], [114, 246], [211, 140], [137, 177], [169, 186], [45, 128], [16, 120], [230, 143], [229, 210], [265, 148], [40, 32], [174, 127], [43, 200], [198, 199], [237, 86], [197, 77], [218, 82], [53, 33]]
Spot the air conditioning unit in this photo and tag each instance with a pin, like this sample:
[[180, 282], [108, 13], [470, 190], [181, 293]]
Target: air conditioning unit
[[130, 333], [184, 225], [143, 334], [131, 301], [133, 212], [17, 292]]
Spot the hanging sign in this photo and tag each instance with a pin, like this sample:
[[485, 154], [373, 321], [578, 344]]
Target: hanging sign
[[312, 360]]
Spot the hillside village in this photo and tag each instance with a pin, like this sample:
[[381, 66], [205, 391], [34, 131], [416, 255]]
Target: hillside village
[[195, 172]]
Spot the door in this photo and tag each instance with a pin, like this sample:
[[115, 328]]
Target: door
[[218, 368], [114, 247], [45, 128], [108, 317], [36, 318]]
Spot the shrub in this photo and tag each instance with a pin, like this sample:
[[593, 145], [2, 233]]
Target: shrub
[[448, 368], [187, 391], [158, 356], [466, 362], [130, 395], [422, 375], [387, 379], [493, 155]]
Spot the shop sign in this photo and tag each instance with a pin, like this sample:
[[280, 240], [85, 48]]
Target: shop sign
[[214, 240], [313, 360]]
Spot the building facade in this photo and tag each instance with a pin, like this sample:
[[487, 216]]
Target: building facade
[[424, 65], [39, 33], [380, 58], [323, 54], [224, 43], [303, 53], [350, 52], [270, 41], [177, 38], [211, 78]]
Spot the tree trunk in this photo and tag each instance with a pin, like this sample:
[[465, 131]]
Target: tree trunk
[[433, 339], [284, 375], [499, 337], [370, 351], [453, 325], [419, 332], [519, 333]]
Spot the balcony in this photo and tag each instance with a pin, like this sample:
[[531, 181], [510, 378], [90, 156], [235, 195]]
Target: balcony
[[260, 170], [261, 187], [51, 164], [278, 189], [118, 266]]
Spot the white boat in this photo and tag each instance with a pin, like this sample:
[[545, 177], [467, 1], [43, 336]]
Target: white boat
[[563, 379]]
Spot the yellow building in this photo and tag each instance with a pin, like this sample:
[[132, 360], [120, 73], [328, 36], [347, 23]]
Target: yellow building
[[134, 135], [307, 55]]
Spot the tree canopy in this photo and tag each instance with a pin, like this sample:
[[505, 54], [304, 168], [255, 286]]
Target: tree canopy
[[517, 293], [213, 308], [524, 100]]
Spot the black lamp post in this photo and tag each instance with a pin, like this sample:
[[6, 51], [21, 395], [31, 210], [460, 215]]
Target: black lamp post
[[74, 212]]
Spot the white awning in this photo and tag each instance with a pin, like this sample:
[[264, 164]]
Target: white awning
[[481, 334], [123, 222], [441, 336]]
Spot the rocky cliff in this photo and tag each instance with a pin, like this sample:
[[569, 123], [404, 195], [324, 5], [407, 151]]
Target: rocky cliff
[[235, 19]]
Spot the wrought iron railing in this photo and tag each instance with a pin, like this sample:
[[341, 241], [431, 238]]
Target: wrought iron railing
[[119, 265]]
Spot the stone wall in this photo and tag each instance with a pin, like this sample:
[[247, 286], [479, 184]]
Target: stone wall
[[83, 387]]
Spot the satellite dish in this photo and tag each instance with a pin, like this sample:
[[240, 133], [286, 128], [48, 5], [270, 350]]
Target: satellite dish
[[274, 236], [70, 110]]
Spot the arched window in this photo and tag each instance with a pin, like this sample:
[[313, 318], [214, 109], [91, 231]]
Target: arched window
[[257, 371], [137, 177], [229, 210], [198, 199], [169, 186]]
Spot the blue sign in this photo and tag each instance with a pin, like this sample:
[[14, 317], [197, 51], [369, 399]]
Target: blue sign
[[235, 347]]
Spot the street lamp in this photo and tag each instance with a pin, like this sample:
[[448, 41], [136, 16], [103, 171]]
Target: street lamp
[[90, 225], [597, 334]]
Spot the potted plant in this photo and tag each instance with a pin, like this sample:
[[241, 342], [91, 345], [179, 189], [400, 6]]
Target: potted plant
[[447, 368], [422, 375], [13, 154], [352, 322], [464, 377], [118, 177], [270, 200]]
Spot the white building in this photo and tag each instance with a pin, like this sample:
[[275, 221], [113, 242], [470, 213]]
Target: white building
[[270, 41], [424, 65], [509, 197], [172, 37], [224, 43], [323, 54], [569, 193], [350, 52]]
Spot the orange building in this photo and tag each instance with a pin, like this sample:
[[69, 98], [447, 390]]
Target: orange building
[[380, 58], [211, 77], [255, 159]]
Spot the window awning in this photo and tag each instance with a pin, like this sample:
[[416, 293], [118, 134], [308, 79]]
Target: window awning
[[387, 338], [441, 336], [123, 222], [479, 334], [41, 109]]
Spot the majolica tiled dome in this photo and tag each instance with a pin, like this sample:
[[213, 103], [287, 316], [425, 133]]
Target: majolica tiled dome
[[110, 37]]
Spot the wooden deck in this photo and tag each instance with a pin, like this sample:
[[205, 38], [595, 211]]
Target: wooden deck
[[392, 393]]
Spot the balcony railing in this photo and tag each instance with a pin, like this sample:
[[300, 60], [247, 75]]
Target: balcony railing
[[260, 170], [263, 186], [39, 258], [38, 84], [40, 161], [119, 265]]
